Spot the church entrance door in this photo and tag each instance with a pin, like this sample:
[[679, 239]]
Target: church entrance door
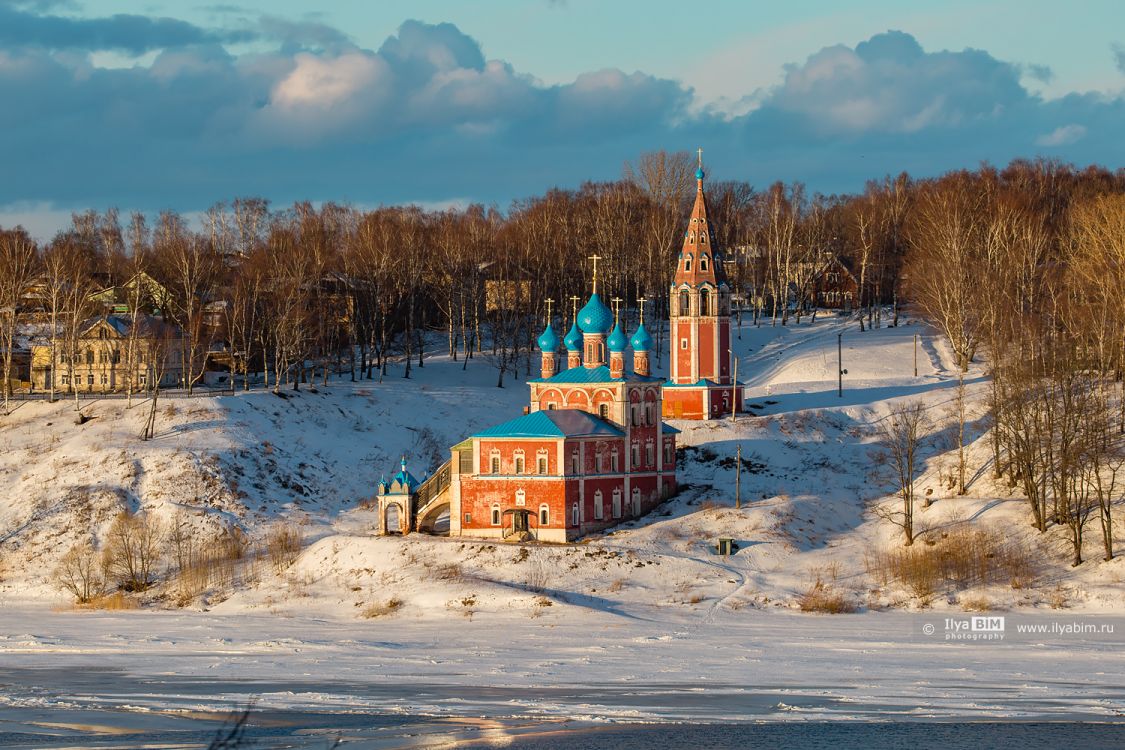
[[517, 525]]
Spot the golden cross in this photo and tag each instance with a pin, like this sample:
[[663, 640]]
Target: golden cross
[[595, 258], [616, 309], [642, 302], [700, 158], [549, 303], [574, 307]]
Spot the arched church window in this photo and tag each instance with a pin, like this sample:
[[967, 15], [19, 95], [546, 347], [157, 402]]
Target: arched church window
[[617, 503], [687, 263], [685, 302], [544, 515], [496, 515], [599, 506], [603, 411], [704, 302], [703, 263], [574, 517]]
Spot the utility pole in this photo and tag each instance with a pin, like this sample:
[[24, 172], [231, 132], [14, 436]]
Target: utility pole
[[840, 363], [734, 392], [915, 355], [738, 480]]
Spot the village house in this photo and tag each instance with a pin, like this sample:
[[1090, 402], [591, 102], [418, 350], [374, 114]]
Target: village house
[[109, 355], [834, 285]]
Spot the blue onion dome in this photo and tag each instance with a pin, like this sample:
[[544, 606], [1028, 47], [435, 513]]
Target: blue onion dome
[[699, 173], [641, 342], [595, 317], [549, 341], [617, 341], [573, 340]]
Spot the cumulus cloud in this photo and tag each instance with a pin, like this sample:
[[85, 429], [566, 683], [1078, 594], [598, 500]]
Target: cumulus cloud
[[428, 117], [889, 84], [888, 105]]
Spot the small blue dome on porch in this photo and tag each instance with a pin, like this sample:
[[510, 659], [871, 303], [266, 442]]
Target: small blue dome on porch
[[595, 317], [402, 483]]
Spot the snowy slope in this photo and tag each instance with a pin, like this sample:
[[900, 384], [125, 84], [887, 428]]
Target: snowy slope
[[313, 456]]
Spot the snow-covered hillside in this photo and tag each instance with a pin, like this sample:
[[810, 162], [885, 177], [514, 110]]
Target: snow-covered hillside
[[808, 487]]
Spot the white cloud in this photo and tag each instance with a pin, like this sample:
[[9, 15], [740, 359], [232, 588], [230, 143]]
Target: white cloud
[[40, 218], [1062, 136], [318, 82]]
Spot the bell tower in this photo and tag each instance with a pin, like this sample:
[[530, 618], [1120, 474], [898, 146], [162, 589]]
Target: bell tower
[[700, 363]]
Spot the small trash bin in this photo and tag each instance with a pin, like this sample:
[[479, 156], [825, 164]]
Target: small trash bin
[[726, 546]]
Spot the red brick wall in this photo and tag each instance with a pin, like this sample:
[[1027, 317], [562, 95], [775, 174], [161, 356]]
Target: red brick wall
[[479, 493], [724, 347], [508, 450], [706, 353], [683, 356], [590, 465], [689, 401]]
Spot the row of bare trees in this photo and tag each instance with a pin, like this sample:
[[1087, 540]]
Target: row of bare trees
[[307, 288], [1027, 267]]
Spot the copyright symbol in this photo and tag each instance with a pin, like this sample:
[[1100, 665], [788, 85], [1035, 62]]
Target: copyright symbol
[[928, 629]]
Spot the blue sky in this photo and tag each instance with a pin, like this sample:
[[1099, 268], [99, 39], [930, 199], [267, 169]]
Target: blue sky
[[149, 105]]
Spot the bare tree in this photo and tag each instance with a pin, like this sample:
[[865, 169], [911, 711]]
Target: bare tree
[[901, 435], [81, 572], [18, 269], [189, 267], [133, 550], [946, 238]]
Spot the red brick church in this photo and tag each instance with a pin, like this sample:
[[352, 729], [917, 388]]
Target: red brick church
[[701, 382], [592, 449]]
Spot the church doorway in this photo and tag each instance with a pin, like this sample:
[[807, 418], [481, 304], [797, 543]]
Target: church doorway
[[517, 525], [392, 519]]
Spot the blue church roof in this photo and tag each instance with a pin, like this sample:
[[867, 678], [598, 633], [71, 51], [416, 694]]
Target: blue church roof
[[549, 340], [552, 423], [595, 317], [591, 375], [401, 483], [573, 340], [617, 341], [641, 342]]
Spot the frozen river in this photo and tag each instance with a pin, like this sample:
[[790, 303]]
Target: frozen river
[[159, 679]]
